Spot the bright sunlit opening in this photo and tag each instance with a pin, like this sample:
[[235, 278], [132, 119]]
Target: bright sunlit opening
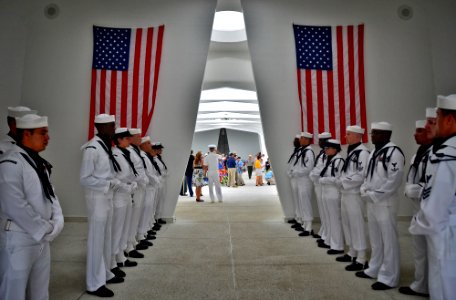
[[226, 93], [228, 21]]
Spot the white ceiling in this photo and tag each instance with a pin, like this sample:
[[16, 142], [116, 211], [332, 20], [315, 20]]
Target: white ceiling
[[228, 97]]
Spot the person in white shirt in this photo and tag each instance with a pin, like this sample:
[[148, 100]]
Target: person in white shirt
[[437, 216], [211, 168], [97, 176], [352, 206], [13, 113], [379, 191], [30, 213]]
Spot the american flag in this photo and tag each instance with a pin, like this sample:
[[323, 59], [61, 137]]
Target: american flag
[[330, 73], [125, 69]]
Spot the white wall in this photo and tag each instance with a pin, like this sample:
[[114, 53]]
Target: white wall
[[399, 66], [57, 69]]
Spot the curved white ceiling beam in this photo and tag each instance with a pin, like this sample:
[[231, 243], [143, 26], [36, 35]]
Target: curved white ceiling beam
[[228, 69], [224, 114]]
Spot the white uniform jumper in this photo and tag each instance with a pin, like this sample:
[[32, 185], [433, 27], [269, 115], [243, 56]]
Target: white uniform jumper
[[302, 186], [379, 190], [413, 191], [122, 202], [320, 162], [162, 188], [138, 197], [29, 210], [437, 220], [352, 207], [6, 144], [97, 172], [330, 194]]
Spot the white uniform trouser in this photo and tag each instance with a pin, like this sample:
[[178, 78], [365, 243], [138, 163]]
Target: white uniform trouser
[[354, 227], [161, 193], [146, 214], [24, 266], [120, 205], [323, 232], [294, 182], [99, 210], [136, 209], [331, 197], [419, 246], [304, 198], [442, 262], [120, 257], [213, 179], [384, 263]]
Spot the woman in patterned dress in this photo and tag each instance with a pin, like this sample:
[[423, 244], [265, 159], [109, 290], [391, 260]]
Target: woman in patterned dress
[[198, 175]]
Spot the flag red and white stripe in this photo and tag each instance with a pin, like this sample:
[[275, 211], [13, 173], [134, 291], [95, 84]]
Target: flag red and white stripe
[[130, 94], [332, 99]]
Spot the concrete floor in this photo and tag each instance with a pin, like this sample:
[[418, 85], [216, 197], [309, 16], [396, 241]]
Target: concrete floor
[[238, 249]]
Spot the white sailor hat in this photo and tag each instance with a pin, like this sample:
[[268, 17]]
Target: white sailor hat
[[20, 111], [382, 126], [211, 146], [134, 131], [31, 121], [324, 135], [157, 145], [431, 112], [298, 136], [122, 132], [145, 139], [104, 118], [355, 129], [447, 102], [420, 124], [333, 143], [306, 135]]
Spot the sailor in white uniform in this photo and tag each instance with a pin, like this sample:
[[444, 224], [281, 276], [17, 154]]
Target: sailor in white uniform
[[320, 161], [122, 200], [379, 191], [97, 176], [301, 183], [437, 216], [10, 139], [291, 161], [330, 194], [30, 213], [211, 168], [352, 207], [162, 189], [413, 190]]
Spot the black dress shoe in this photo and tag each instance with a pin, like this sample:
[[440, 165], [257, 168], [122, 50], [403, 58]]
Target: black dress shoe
[[151, 232], [161, 221], [156, 227], [292, 221], [323, 245], [135, 254], [320, 241], [355, 266], [296, 225], [361, 274], [408, 291], [102, 292], [151, 237], [345, 258], [145, 243], [316, 236], [115, 279], [304, 233], [334, 252], [299, 229], [130, 263], [118, 272], [380, 286], [141, 247]]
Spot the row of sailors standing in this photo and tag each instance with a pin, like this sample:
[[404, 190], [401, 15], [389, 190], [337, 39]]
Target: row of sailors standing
[[343, 187], [125, 192], [372, 180]]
